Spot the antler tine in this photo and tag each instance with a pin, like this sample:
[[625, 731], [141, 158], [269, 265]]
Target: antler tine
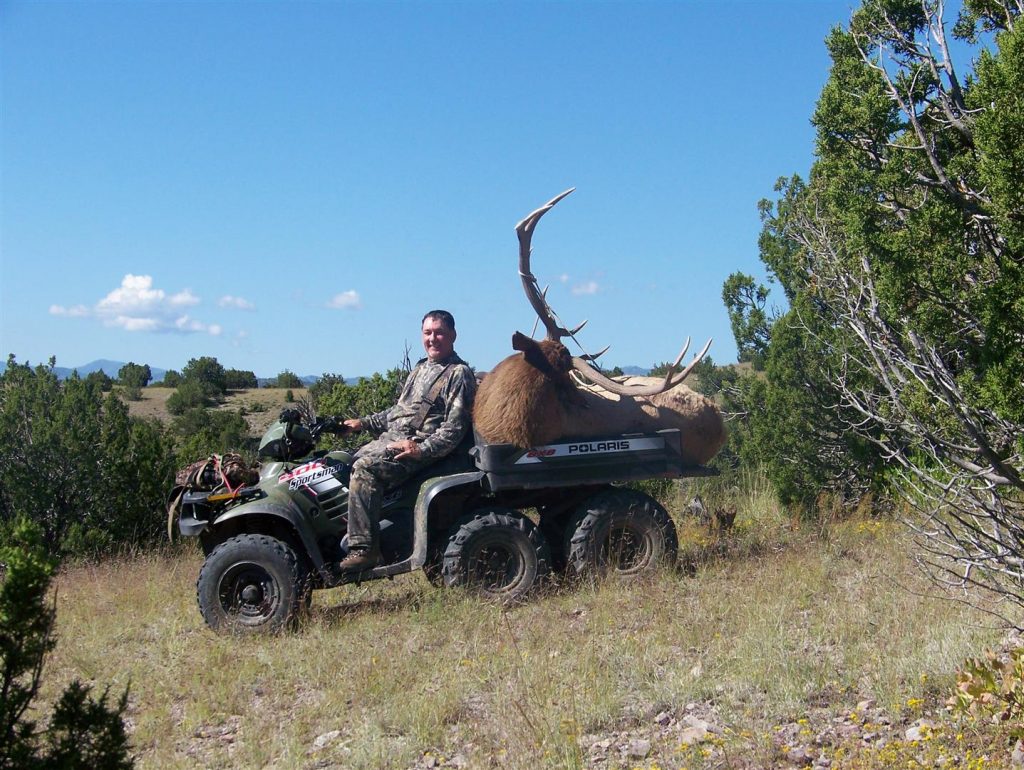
[[525, 230], [618, 388], [575, 329], [597, 355]]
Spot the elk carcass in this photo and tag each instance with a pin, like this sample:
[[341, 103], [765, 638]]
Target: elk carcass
[[543, 393]]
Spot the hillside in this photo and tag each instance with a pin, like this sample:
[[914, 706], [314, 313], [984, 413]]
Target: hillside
[[259, 405], [775, 647]]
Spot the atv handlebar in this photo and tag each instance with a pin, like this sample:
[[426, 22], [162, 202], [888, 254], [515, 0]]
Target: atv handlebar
[[330, 424]]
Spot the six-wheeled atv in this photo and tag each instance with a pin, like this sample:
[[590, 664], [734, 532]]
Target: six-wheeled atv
[[461, 520]]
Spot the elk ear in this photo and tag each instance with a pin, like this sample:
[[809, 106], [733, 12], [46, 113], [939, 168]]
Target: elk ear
[[532, 352], [523, 343]]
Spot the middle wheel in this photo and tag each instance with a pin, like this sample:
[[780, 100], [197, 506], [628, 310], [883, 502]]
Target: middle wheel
[[497, 552]]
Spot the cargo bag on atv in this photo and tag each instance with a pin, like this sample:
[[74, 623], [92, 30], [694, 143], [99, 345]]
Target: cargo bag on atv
[[217, 474]]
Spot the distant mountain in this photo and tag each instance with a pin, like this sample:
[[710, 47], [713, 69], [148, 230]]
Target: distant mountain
[[108, 367], [636, 371], [308, 380], [111, 368]]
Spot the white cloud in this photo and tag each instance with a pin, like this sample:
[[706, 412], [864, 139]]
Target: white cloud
[[564, 278], [347, 300], [134, 297], [187, 324], [75, 311], [136, 306], [182, 298], [587, 287], [236, 303], [133, 324]]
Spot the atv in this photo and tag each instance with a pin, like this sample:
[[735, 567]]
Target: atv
[[269, 542]]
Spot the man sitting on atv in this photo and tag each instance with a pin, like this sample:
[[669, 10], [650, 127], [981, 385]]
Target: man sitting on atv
[[430, 419]]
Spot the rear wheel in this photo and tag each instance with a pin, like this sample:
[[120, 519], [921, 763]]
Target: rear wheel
[[252, 584], [621, 531], [499, 553]]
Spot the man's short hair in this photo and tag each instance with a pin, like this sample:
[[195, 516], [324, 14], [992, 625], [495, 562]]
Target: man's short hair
[[441, 315]]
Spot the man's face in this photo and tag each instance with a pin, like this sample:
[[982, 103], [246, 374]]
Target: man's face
[[438, 339]]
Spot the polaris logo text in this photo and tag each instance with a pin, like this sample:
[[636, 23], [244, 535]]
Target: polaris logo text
[[599, 446], [554, 452]]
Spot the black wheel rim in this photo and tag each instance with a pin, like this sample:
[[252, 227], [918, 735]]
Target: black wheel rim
[[627, 549], [495, 568], [248, 594]]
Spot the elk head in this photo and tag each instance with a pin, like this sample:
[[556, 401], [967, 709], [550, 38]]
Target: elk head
[[532, 397], [556, 332]]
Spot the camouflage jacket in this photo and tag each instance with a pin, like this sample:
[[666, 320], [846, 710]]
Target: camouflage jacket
[[448, 418]]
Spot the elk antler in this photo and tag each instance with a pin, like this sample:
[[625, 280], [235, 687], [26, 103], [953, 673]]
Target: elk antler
[[555, 330]]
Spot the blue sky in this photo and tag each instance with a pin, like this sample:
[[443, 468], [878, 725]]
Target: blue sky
[[290, 185]]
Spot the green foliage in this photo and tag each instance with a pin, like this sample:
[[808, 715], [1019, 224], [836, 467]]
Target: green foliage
[[100, 379], [76, 465], [369, 396], [132, 375], [172, 379], [902, 258], [83, 733], [189, 395], [134, 378], [202, 432], [992, 689], [788, 423], [25, 622], [208, 373], [287, 379], [236, 379], [744, 300], [324, 384], [87, 734]]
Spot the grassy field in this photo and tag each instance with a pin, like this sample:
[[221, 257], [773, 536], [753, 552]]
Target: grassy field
[[776, 646], [259, 405]]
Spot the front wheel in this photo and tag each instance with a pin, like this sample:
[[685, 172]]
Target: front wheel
[[252, 584], [623, 531], [498, 553]]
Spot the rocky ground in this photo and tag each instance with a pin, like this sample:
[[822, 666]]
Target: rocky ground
[[918, 734], [862, 736]]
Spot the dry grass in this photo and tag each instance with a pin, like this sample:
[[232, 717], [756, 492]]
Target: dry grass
[[152, 403], [259, 405], [774, 625]]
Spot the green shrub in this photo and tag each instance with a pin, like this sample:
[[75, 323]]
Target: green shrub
[[288, 379], [202, 432], [992, 689], [189, 395], [75, 463], [83, 733]]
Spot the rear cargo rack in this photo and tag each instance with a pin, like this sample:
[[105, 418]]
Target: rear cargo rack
[[571, 462]]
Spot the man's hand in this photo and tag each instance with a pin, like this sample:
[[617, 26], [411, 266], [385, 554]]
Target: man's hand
[[353, 426], [405, 448]]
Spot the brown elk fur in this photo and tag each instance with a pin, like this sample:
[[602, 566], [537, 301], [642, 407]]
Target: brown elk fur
[[529, 399]]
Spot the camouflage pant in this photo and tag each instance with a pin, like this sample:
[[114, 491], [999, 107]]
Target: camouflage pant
[[373, 473]]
